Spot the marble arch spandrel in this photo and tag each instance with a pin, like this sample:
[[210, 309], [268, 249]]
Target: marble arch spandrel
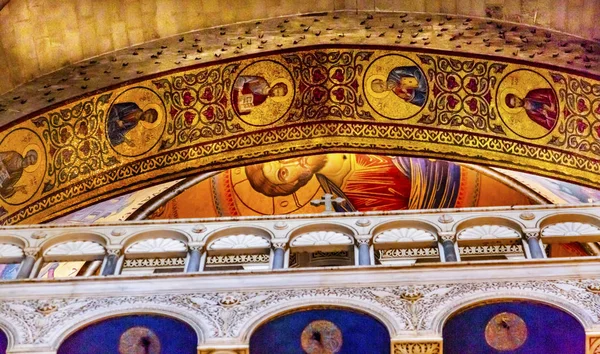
[[367, 99]]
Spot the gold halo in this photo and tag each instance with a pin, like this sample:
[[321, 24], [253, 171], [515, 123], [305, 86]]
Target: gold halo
[[502, 101], [289, 91], [38, 150], [370, 91], [159, 109]]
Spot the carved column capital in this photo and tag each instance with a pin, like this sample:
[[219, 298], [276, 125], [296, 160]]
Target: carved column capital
[[279, 244], [195, 246], [447, 236], [113, 251], [532, 234], [363, 239], [31, 252]]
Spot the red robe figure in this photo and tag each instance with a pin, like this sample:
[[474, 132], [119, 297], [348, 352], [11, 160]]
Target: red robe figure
[[252, 91], [540, 105]]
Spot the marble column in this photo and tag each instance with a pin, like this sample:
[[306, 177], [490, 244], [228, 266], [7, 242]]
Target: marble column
[[110, 262], [27, 263], [447, 241], [278, 255], [364, 250], [193, 265], [533, 241]]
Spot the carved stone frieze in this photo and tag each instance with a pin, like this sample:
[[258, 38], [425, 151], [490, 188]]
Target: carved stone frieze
[[225, 315], [593, 344], [417, 348]]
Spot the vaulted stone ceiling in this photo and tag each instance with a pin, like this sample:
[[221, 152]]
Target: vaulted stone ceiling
[[334, 61]]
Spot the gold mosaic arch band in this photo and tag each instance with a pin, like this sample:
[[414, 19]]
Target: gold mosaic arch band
[[459, 115]]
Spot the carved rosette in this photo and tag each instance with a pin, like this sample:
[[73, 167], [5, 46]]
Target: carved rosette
[[417, 348]]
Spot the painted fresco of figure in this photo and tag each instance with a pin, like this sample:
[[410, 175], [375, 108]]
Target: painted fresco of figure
[[252, 91], [12, 165], [123, 117], [540, 105], [372, 183], [406, 82]]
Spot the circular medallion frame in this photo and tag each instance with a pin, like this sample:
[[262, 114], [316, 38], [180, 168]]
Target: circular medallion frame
[[146, 132]]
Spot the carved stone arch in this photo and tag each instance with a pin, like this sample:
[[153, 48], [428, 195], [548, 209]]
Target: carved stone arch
[[238, 230], [561, 217], [322, 226], [495, 220], [99, 238], [457, 305], [15, 240], [154, 234], [285, 307], [63, 331], [408, 223], [13, 334]]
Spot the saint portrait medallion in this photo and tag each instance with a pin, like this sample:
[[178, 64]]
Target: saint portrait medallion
[[139, 340], [321, 337], [22, 166], [262, 93], [527, 104], [135, 122], [506, 331], [395, 87]]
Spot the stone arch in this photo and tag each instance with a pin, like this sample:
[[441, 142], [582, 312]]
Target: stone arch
[[286, 307], [73, 325], [560, 217], [153, 234], [322, 226], [494, 220], [74, 236], [450, 308], [237, 230]]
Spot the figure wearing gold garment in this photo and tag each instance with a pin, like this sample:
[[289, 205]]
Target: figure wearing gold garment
[[12, 165]]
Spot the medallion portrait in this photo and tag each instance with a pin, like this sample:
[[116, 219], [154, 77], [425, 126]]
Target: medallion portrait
[[135, 122], [527, 104], [262, 93], [139, 340], [321, 337], [506, 331], [395, 87], [22, 166]]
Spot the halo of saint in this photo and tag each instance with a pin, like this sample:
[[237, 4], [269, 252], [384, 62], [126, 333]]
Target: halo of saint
[[321, 337], [395, 87], [527, 104], [22, 166], [262, 93], [135, 122], [139, 340]]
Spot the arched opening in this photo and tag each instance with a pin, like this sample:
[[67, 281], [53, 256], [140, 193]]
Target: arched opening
[[518, 326], [321, 330], [3, 342], [133, 334]]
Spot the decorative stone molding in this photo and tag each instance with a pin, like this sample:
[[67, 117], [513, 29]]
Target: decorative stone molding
[[445, 219], [239, 242], [8, 250], [39, 235], [404, 309], [571, 229], [409, 252], [363, 240], [156, 245], [198, 229], [321, 238], [113, 251], [404, 235], [238, 259], [491, 232], [433, 347], [73, 248], [491, 249], [280, 225], [118, 232], [31, 252], [224, 350], [527, 216], [279, 244], [592, 343], [363, 222], [154, 262]]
